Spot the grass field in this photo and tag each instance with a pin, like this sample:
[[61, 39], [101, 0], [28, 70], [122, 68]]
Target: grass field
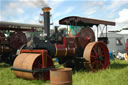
[[117, 74]]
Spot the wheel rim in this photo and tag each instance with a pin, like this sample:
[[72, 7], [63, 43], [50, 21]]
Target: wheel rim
[[96, 53]]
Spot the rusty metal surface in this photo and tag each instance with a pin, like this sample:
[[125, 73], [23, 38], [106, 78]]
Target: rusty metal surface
[[96, 53], [61, 76], [25, 61], [81, 21]]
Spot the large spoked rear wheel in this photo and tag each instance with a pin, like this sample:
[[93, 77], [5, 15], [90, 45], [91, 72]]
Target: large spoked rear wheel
[[97, 54]]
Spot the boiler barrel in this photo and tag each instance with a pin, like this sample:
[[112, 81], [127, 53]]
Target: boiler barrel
[[62, 51]]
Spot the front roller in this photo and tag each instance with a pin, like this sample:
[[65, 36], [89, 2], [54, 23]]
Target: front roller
[[97, 54], [32, 66]]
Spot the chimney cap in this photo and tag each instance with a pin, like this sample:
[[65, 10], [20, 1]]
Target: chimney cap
[[46, 9]]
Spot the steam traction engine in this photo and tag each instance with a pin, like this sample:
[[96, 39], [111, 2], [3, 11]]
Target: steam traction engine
[[79, 51], [12, 38]]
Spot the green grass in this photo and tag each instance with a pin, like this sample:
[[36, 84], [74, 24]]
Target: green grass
[[117, 74]]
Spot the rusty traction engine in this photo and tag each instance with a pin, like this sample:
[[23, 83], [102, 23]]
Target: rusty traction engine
[[13, 37], [10, 44], [78, 52]]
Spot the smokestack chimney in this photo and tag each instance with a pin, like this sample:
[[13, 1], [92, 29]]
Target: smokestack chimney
[[46, 11]]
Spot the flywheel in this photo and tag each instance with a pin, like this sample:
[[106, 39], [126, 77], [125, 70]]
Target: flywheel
[[86, 36], [97, 54], [17, 39]]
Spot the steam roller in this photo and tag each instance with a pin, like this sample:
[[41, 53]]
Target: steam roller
[[79, 51]]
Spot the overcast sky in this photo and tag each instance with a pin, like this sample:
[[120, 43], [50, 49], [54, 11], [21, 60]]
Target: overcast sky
[[28, 11]]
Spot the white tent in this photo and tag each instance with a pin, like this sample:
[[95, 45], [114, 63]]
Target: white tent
[[123, 32]]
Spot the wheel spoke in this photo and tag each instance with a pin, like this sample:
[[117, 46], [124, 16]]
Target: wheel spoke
[[99, 51], [94, 50], [37, 64], [93, 65], [98, 65], [93, 58]]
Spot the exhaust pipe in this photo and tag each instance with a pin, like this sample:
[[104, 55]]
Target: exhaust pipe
[[46, 14]]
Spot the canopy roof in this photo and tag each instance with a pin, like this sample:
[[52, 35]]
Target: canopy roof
[[18, 26], [81, 21]]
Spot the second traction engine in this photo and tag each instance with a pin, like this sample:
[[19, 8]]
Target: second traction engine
[[79, 51]]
